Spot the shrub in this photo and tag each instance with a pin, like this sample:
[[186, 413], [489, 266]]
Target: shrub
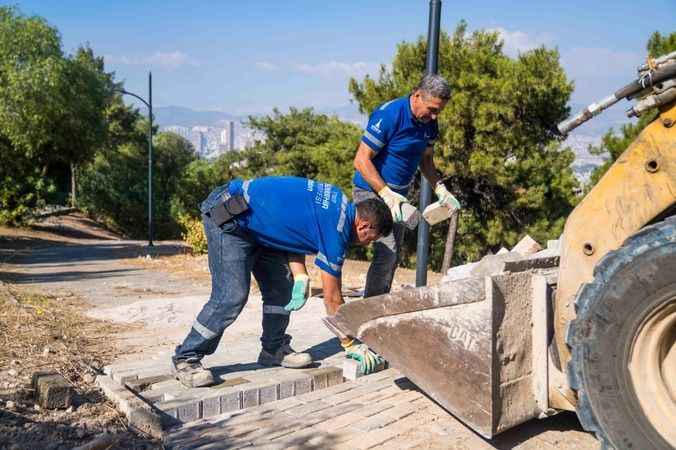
[[193, 234]]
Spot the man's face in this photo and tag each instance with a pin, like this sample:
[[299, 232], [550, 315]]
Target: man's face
[[366, 233], [425, 107]]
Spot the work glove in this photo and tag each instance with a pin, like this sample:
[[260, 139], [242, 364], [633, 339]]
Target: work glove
[[367, 358], [394, 202], [445, 197], [299, 293]]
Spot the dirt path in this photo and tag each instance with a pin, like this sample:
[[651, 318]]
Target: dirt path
[[163, 294]]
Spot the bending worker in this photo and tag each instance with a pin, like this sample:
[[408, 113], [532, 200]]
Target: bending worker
[[251, 227], [399, 138]]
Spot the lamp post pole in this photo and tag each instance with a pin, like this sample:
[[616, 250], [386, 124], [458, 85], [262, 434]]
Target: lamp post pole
[[150, 159], [423, 248], [149, 105]]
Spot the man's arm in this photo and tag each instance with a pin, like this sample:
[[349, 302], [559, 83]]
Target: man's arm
[[333, 296], [364, 164], [427, 167]]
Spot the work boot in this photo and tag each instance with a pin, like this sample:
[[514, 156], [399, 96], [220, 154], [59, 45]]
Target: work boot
[[191, 373], [285, 356]]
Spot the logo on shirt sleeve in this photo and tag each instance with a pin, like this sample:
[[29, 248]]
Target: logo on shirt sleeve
[[376, 126]]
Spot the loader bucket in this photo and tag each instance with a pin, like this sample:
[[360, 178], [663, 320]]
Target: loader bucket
[[467, 344]]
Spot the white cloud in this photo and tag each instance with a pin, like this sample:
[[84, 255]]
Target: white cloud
[[169, 60], [266, 65], [341, 69], [515, 42], [592, 62]]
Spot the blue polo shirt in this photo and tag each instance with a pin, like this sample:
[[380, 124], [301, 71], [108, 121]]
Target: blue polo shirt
[[298, 215], [399, 141]]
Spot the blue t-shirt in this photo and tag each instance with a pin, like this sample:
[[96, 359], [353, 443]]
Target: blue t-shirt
[[298, 215], [399, 141]]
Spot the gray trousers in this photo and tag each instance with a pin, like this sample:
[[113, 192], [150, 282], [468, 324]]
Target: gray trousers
[[386, 253]]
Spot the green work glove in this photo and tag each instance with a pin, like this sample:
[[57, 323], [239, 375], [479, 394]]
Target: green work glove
[[300, 292], [367, 358], [445, 197]]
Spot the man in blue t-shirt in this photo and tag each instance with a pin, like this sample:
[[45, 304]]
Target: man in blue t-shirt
[[253, 226], [399, 138]]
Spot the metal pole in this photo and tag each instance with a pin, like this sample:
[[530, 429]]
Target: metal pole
[[422, 250], [150, 159]]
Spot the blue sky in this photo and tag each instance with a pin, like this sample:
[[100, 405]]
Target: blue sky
[[248, 56]]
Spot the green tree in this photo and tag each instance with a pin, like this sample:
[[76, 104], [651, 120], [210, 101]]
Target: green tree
[[51, 110], [497, 147], [302, 143], [614, 144], [114, 187]]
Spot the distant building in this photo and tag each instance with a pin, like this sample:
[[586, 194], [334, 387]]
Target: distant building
[[231, 135], [211, 142]]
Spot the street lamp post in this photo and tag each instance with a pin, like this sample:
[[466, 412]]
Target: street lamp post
[[149, 104], [422, 250]]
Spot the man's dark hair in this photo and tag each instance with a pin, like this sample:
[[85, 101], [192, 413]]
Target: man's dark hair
[[378, 215]]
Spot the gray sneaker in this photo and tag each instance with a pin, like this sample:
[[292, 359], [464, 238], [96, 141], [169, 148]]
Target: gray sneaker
[[285, 356], [191, 373]]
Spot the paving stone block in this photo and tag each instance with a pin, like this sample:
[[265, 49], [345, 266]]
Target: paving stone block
[[302, 386], [211, 406], [335, 377], [52, 390], [190, 411], [231, 401], [374, 409], [402, 410], [319, 379], [307, 408], [269, 393], [139, 414], [287, 403], [251, 397], [340, 422], [374, 422], [368, 440], [286, 389]]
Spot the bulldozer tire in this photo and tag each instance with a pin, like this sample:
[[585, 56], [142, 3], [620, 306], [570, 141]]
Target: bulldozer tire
[[623, 343]]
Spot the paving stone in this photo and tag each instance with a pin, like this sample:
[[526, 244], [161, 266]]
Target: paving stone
[[402, 410], [307, 408], [251, 397], [302, 386], [339, 422], [286, 389], [190, 411], [211, 406], [52, 390], [231, 401], [287, 403], [269, 393], [373, 409], [369, 439]]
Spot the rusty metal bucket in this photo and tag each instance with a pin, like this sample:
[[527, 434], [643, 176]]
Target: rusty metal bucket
[[467, 344]]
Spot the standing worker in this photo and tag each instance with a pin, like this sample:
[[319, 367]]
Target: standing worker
[[399, 138], [253, 226]]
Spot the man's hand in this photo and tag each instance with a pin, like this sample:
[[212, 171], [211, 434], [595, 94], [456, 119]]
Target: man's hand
[[367, 358], [394, 202], [445, 197], [300, 292]]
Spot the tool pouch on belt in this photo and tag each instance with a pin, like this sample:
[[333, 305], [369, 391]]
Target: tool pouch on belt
[[226, 210]]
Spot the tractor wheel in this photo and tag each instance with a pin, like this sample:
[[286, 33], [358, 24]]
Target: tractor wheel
[[623, 343]]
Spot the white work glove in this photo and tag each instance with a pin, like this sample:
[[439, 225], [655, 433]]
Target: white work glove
[[394, 202], [445, 197]]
